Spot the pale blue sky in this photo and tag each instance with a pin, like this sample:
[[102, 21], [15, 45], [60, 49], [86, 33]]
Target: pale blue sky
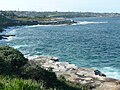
[[61, 5]]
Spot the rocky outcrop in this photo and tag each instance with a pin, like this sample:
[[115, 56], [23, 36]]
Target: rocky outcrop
[[64, 21], [97, 72], [5, 36], [11, 22], [93, 79], [50, 22]]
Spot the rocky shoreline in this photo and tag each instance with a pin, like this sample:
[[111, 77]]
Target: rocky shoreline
[[33, 22], [94, 79]]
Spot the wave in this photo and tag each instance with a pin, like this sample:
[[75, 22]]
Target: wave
[[34, 26], [87, 22], [42, 56], [12, 32], [31, 57], [19, 46], [110, 72], [10, 38], [44, 25]]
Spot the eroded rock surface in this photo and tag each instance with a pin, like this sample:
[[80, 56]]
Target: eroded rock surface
[[94, 79]]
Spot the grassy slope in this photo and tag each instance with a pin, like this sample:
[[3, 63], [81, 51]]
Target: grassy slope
[[33, 19], [8, 83], [17, 73], [15, 83]]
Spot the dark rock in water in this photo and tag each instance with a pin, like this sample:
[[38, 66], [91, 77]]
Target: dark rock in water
[[103, 75], [4, 38], [97, 72], [1, 37], [6, 35], [54, 59]]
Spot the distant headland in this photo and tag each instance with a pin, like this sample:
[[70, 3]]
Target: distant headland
[[19, 18]]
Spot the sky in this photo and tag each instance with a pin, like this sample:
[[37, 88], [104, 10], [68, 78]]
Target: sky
[[61, 5]]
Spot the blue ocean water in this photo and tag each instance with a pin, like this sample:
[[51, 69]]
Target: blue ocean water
[[91, 43]]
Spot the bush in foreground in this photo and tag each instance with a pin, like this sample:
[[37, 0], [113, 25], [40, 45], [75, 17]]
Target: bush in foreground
[[39, 74], [28, 75], [16, 83], [11, 60]]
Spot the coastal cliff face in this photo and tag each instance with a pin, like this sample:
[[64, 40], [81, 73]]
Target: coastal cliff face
[[93, 79]]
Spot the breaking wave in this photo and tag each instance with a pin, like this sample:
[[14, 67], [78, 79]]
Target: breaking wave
[[88, 22]]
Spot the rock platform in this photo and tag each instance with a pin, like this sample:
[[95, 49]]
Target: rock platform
[[95, 79]]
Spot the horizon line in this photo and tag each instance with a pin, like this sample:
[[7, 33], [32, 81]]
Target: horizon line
[[59, 11]]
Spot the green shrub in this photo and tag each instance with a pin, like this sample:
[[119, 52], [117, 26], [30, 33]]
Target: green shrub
[[11, 60], [37, 73], [31, 76], [48, 78]]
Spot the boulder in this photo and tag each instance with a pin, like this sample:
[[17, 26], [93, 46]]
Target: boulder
[[97, 72]]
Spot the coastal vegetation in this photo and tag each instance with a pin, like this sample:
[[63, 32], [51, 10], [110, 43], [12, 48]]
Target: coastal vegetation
[[33, 14], [18, 18], [11, 61], [17, 73]]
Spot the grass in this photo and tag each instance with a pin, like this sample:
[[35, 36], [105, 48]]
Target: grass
[[33, 19], [17, 83], [8, 83]]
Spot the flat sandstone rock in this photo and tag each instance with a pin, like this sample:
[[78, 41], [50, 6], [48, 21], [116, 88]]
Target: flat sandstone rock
[[88, 76]]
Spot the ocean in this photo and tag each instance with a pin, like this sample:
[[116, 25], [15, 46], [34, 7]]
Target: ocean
[[90, 43]]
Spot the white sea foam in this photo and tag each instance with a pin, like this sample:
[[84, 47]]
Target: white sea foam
[[36, 56], [10, 38], [87, 22], [110, 72], [19, 46], [31, 57], [44, 25], [12, 32], [34, 26]]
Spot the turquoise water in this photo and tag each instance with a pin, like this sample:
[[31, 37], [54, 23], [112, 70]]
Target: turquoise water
[[92, 42]]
